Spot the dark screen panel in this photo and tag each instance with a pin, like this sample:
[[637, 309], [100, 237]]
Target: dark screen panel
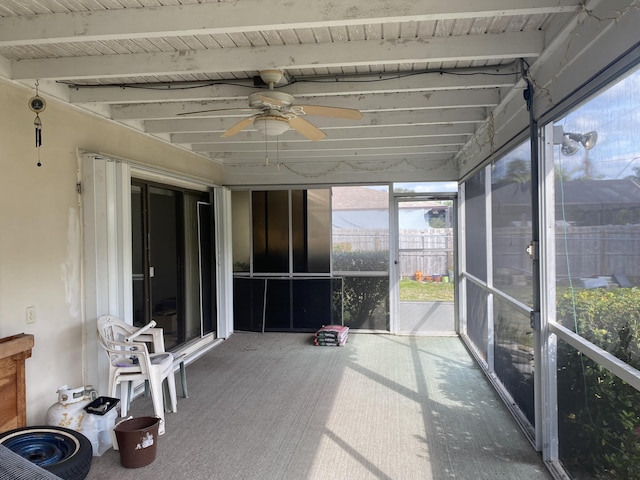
[[270, 231]]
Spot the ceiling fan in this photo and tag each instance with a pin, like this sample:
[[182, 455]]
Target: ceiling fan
[[278, 112]]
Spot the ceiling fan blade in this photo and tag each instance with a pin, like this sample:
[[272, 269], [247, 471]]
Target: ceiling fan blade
[[307, 129], [218, 110], [335, 112], [238, 127]]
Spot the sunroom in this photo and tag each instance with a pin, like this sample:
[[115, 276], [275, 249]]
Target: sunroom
[[241, 166]]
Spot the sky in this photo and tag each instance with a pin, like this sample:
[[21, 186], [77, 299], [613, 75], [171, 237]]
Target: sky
[[615, 115]]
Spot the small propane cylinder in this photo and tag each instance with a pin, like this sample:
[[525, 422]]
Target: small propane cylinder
[[69, 411]]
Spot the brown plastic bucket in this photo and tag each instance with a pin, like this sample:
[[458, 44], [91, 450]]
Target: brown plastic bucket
[[137, 441]]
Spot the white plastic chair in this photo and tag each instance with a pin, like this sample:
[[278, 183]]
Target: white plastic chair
[[130, 361]]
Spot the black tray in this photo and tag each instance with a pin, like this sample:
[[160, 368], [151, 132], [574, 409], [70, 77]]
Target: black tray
[[101, 405]]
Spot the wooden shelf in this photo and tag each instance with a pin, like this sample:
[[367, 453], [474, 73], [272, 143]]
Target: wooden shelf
[[14, 351]]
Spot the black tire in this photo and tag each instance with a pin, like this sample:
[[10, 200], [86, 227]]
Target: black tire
[[61, 451]]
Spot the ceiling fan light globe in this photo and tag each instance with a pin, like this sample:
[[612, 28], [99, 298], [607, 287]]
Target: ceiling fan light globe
[[271, 126]]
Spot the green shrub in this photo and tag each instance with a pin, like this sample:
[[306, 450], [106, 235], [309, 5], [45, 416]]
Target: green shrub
[[599, 414], [365, 298], [361, 261]]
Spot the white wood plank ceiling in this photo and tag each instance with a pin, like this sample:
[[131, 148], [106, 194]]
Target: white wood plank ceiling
[[425, 74]]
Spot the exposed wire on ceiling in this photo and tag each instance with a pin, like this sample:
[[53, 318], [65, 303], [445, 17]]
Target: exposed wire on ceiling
[[342, 78]]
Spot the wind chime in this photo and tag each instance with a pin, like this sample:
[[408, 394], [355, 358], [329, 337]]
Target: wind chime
[[37, 105]]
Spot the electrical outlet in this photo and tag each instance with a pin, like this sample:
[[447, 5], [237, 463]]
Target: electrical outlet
[[31, 314]]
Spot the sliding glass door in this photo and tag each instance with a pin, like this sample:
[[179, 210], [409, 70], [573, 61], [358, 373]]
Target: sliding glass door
[[173, 275]]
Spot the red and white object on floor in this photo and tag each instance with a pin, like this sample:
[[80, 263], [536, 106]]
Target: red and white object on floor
[[332, 335]]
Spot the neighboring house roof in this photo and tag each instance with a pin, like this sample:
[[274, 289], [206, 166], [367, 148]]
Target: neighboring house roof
[[585, 202], [576, 192], [599, 192], [366, 198], [367, 208], [359, 198]]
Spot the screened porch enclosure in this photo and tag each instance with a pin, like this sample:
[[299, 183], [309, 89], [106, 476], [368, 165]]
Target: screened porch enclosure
[[549, 292], [547, 253]]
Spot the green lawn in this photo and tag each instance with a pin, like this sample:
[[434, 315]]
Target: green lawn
[[412, 291]]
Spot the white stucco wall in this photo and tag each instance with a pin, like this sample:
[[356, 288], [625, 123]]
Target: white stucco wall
[[41, 230]]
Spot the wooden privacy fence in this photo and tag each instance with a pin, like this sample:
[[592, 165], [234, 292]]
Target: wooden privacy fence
[[361, 239], [427, 251], [583, 251]]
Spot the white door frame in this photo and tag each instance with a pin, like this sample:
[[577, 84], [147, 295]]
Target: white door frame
[[394, 250]]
